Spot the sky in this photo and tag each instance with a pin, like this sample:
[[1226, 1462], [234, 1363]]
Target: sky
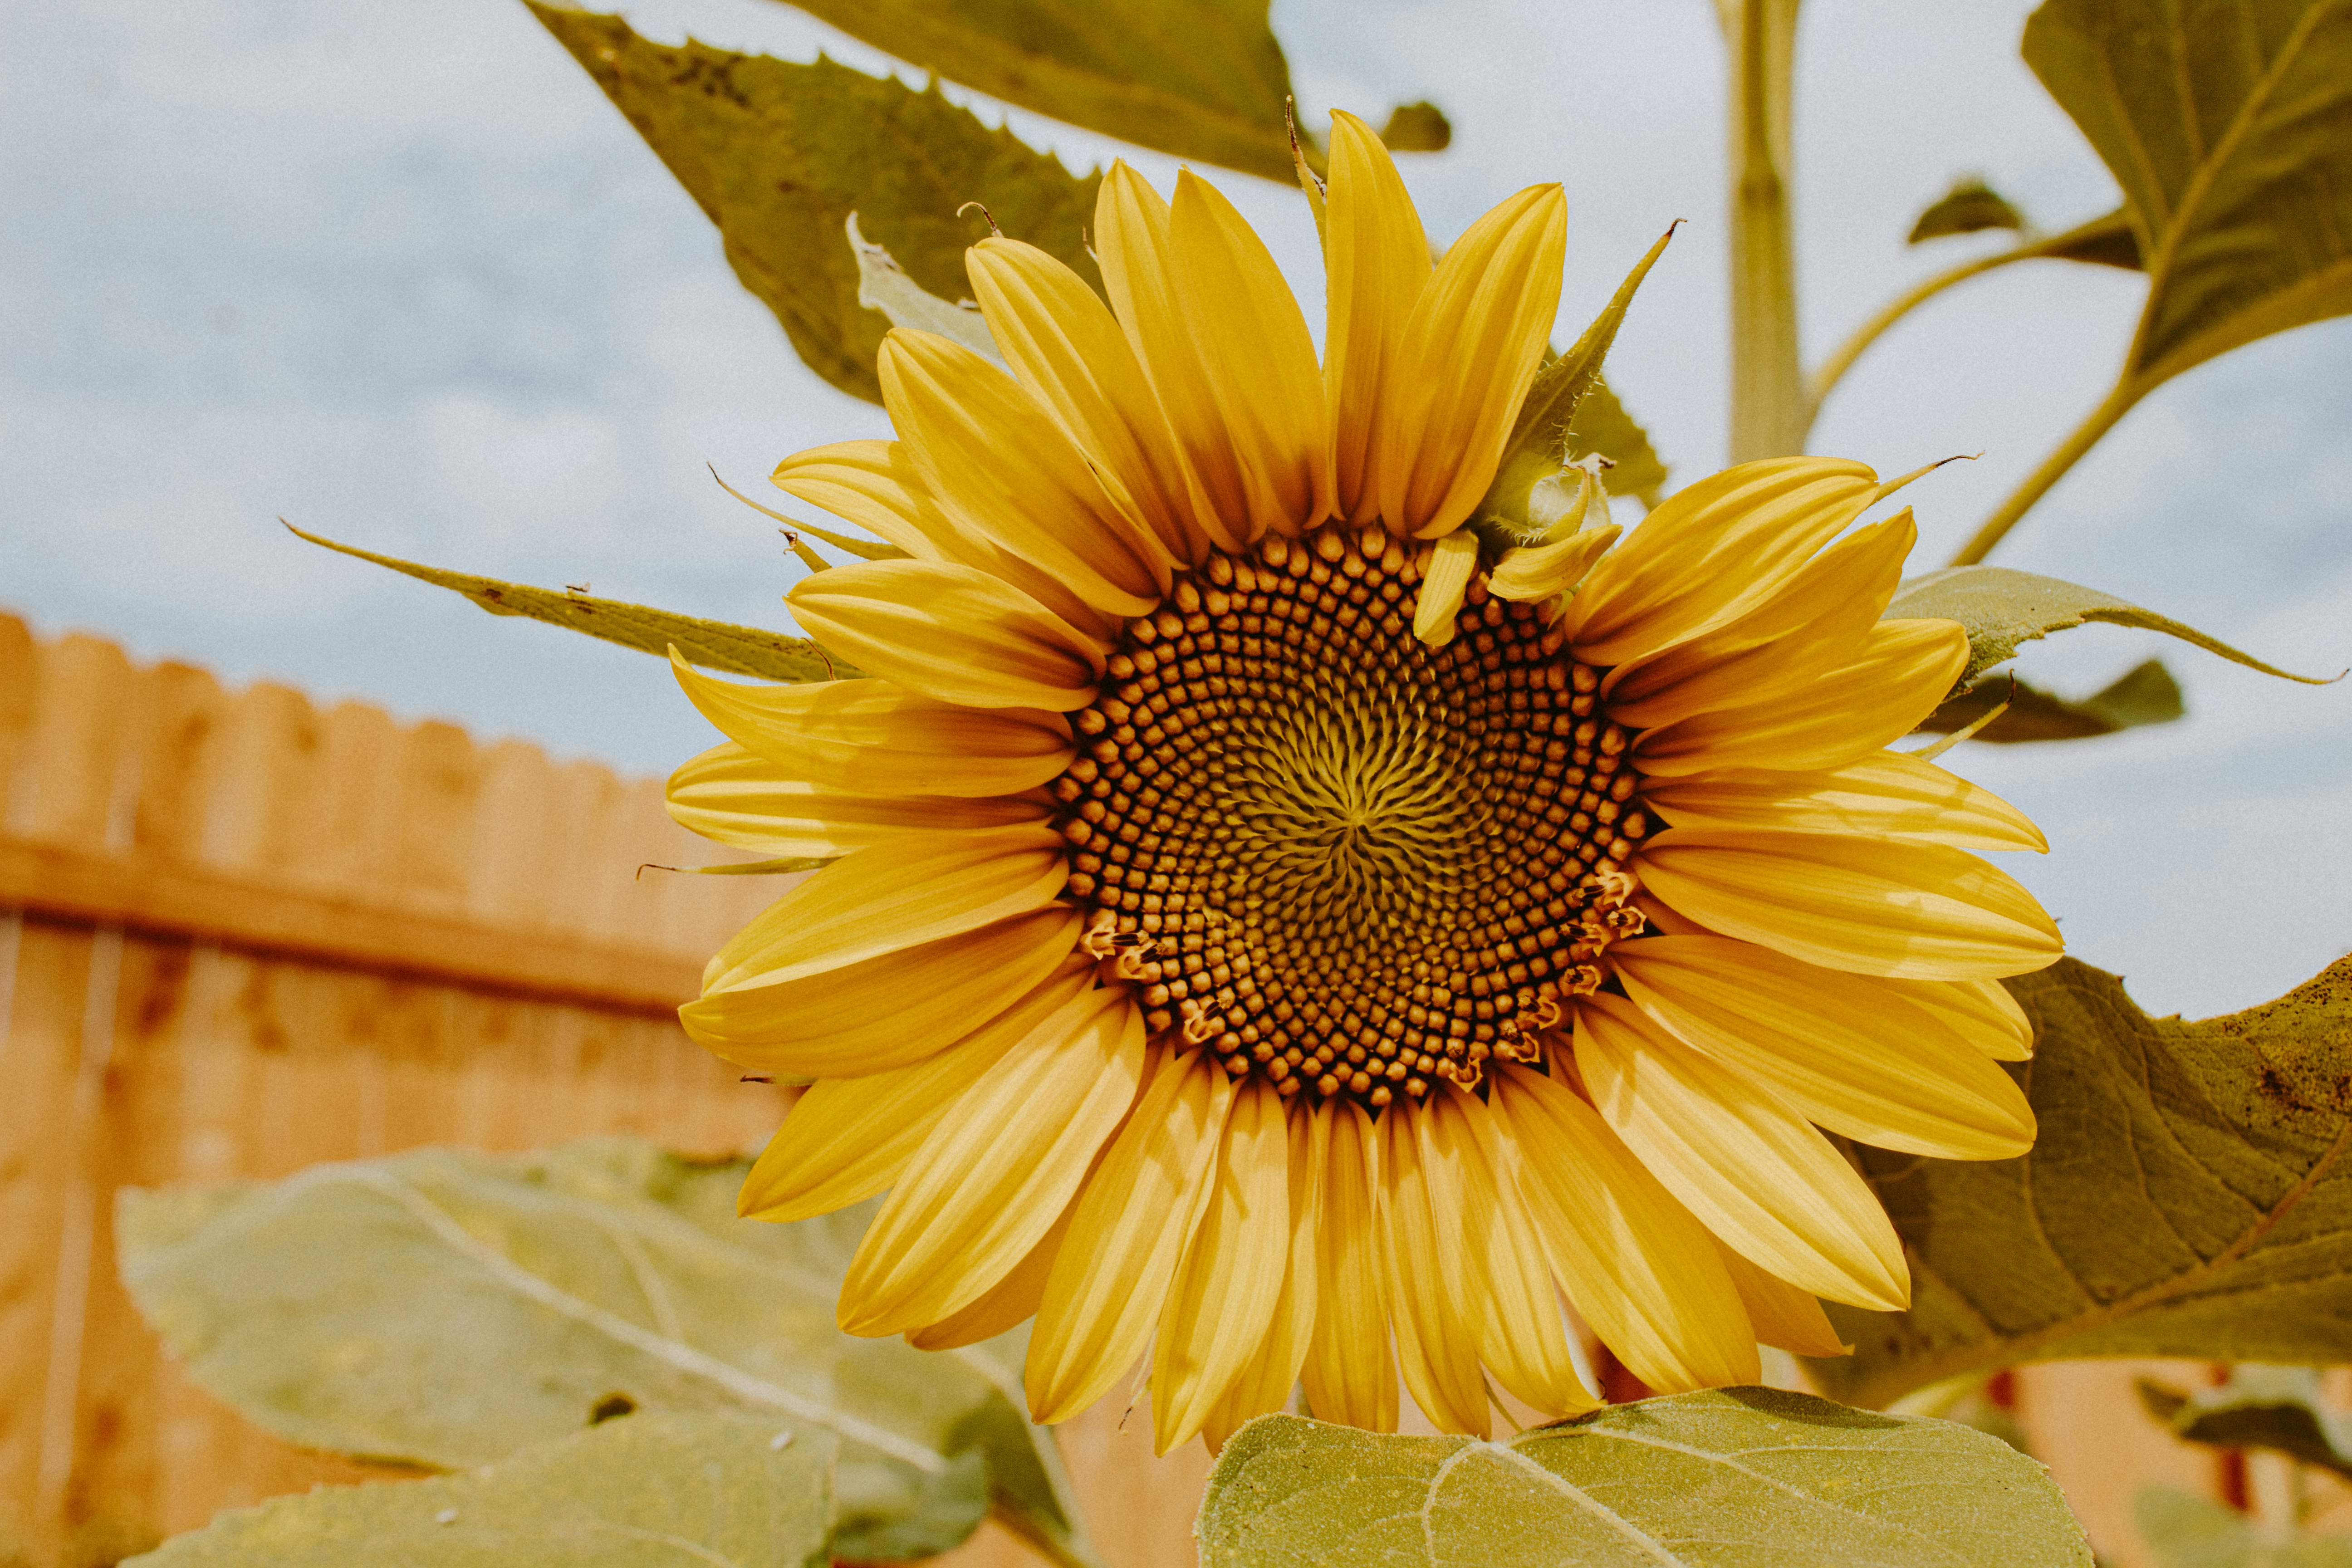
[[403, 276]]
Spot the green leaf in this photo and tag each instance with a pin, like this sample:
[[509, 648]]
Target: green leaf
[[682, 1488], [1603, 426], [1729, 1479], [2275, 1407], [2144, 694], [883, 285], [713, 645], [1970, 206], [1200, 79], [1417, 128], [2189, 1531], [779, 155], [2229, 129], [449, 1309], [2106, 241], [2002, 608], [2188, 1195]]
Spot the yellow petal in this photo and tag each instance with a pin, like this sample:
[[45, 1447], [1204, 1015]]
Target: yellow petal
[[1064, 344], [881, 1013], [1503, 1288], [1711, 553], [1451, 561], [1226, 1289], [954, 633], [1265, 1381], [1853, 1054], [891, 896], [1006, 1304], [1469, 353], [1139, 277], [871, 737], [1785, 1318], [1983, 1010], [1828, 602], [1255, 351], [1376, 259], [876, 485], [1886, 796], [1907, 911], [999, 462], [1881, 689], [1640, 1268], [1349, 1374], [846, 1139], [739, 797], [1534, 572], [998, 1169], [1436, 1351], [1753, 1172], [1108, 1286]]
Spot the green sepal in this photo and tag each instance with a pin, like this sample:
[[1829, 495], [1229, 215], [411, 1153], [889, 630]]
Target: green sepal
[[712, 645]]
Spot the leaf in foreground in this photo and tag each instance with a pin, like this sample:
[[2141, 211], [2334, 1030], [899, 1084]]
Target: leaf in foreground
[[779, 155], [2188, 1195], [2001, 608], [2231, 137], [2144, 694], [1729, 1479], [648, 1489], [1200, 79], [713, 645], [451, 1309]]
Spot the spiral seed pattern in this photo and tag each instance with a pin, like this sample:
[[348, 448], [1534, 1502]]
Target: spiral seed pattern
[[1333, 854]]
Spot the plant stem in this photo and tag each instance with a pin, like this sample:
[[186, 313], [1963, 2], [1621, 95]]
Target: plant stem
[[1833, 369], [2100, 420], [1769, 406]]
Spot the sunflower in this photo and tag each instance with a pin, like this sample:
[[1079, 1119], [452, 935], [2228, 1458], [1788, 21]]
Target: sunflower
[[1266, 932]]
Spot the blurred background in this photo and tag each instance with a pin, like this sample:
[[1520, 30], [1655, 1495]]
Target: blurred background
[[404, 277]]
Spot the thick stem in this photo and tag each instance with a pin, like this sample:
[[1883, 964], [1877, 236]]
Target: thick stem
[[2054, 467], [1768, 386]]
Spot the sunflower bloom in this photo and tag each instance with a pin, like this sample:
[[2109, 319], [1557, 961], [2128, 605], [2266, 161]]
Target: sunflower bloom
[[1269, 942]]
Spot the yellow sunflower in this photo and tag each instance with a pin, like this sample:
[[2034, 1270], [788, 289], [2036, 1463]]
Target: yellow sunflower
[[1267, 939]]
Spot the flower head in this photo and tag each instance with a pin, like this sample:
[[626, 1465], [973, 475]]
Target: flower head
[[1266, 932]]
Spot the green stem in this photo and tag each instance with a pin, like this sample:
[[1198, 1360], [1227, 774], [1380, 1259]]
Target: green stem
[[1833, 369], [1768, 387], [2070, 451]]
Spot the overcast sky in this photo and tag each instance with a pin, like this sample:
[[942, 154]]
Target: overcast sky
[[402, 275]]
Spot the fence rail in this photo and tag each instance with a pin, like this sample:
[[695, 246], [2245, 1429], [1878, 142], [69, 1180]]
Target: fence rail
[[241, 933]]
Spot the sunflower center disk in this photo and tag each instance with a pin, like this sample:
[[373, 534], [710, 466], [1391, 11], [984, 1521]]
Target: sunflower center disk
[[1336, 855]]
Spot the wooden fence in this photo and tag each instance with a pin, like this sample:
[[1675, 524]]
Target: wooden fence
[[240, 934]]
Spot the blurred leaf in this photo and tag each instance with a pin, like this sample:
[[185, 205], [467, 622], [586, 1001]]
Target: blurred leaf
[[2145, 694], [1417, 128], [1603, 426], [2189, 1531], [2002, 608], [1729, 1477], [1968, 206], [2275, 1407], [2187, 1196], [2106, 241], [780, 154], [1200, 79], [2229, 129], [712, 645], [451, 1309], [657, 1487]]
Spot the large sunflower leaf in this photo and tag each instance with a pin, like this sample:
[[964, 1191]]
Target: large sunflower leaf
[[1739, 1477], [654, 1488], [780, 154], [2229, 125], [1200, 79], [2188, 1195], [2001, 608], [2144, 694], [712, 645], [451, 1309]]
